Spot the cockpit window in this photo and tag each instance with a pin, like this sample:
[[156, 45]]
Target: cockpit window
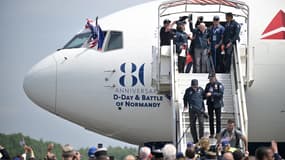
[[78, 41], [115, 41]]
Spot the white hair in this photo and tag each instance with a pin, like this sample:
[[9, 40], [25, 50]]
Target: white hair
[[144, 153], [169, 152]]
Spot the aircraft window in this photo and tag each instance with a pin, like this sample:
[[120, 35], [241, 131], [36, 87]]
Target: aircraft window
[[115, 41], [77, 41]]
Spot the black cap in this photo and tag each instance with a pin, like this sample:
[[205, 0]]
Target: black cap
[[166, 21], [211, 75], [194, 82], [230, 14], [216, 18], [182, 18], [157, 153]]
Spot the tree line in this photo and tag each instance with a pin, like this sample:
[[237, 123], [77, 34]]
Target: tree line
[[13, 143]]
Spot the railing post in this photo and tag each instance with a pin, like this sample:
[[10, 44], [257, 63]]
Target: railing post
[[173, 93], [240, 91]]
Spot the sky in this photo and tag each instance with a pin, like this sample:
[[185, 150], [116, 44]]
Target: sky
[[31, 30]]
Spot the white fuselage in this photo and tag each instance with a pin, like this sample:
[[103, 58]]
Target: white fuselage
[[83, 85]]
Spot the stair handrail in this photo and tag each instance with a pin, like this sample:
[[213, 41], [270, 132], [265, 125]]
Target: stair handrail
[[240, 90], [173, 91]]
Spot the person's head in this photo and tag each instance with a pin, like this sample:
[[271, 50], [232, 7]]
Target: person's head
[[145, 153], [202, 27], [130, 157], [166, 22], [169, 152], [68, 152], [228, 156], [180, 25], [212, 78], [50, 147], [194, 84], [238, 155], [91, 152], [180, 156], [264, 153], [157, 154], [229, 16], [101, 154], [230, 125], [216, 20], [190, 153], [190, 145], [205, 143]]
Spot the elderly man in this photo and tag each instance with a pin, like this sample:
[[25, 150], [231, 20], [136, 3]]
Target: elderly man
[[145, 153], [201, 48], [169, 152]]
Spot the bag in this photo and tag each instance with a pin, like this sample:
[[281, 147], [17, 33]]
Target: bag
[[196, 101], [188, 59]]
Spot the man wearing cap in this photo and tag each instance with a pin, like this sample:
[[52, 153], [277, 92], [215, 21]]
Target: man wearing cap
[[194, 97], [216, 40], [68, 152], [157, 154], [181, 41], [166, 33], [231, 35], [101, 154], [214, 94], [91, 153]]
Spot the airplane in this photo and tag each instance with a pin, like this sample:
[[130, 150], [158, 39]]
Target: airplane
[[119, 91]]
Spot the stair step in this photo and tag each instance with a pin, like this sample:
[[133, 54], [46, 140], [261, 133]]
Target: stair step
[[183, 81]]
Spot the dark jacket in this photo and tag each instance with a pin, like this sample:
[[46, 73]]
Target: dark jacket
[[180, 40], [217, 90], [195, 99], [231, 33], [201, 39], [165, 37]]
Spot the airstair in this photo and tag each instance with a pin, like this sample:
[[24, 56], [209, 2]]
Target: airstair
[[175, 84], [167, 80]]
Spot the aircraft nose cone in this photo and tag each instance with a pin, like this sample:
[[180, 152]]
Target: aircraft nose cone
[[40, 83]]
